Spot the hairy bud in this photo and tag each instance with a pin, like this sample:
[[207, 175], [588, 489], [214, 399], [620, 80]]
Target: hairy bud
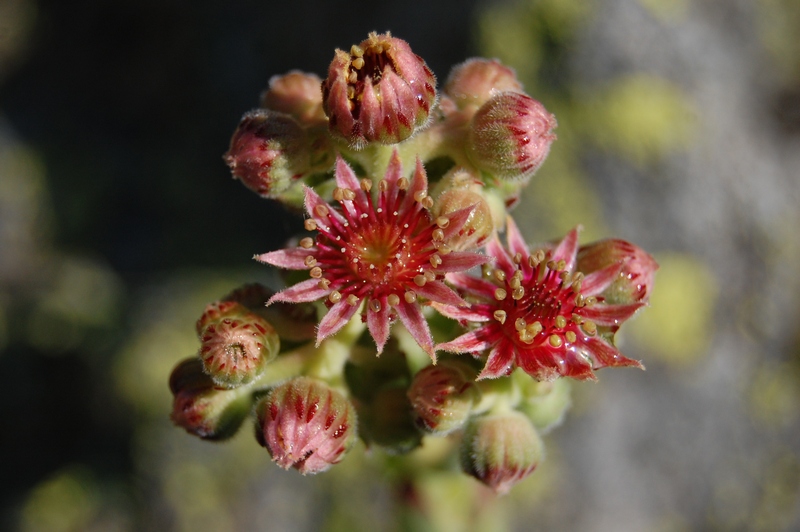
[[637, 273], [474, 81], [297, 94]]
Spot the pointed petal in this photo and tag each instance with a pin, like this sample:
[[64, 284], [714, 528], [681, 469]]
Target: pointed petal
[[610, 315], [289, 259], [471, 285], [597, 281], [336, 318], [459, 261], [440, 292], [345, 176], [411, 316], [496, 250], [312, 201], [568, 248], [378, 323], [542, 363], [516, 244], [302, 292], [475, 341], [462, 313], [457, 220], [604, 354], [500, 361], [393, 174], [419, 182]]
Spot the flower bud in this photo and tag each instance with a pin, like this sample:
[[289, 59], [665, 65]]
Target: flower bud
[[479, 226], [236, 345], [442, 396], [306, 425], [201, 408], [269, 152], [474, 81], [297, 94], [379, 91], [500, 449], [510, 136], [635, 280]]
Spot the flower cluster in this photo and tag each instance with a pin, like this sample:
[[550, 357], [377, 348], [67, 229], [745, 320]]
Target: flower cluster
[[405, 192]]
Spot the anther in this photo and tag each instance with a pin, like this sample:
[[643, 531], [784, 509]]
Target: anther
[[576, 286], [393, 300], [520, 324], [352, 300], [551, 264], [356, 51], [500, 275], [338, 194], [310, 224], [561, 322], [348, 194], [538, 256], [591, 300], [420, 280], [435, 260], [410, 296], [358, 63], [590, 327], [438, 234], [310, 261], [335, 296], [306, 242], [352, 78], [571, 337], [351, 94], [560, 265], [375, 305], [316, 272], [321, 210], [534, 328], [514, 283], [420, 195], [576, 319], [517, 258], [442, 221], [500, 315], [402, 183], [366, 185], [555, 340], [444, 249], [500, 294], [324, 284], [427, 202], [429, 275], [383, 185], [580, 301], [518, 293]]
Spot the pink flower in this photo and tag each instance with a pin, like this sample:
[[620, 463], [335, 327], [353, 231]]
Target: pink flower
[[387, 253], [380, 91], [537, 312]]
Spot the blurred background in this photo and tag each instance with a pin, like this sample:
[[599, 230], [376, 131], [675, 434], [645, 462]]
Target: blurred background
[[679, 130]]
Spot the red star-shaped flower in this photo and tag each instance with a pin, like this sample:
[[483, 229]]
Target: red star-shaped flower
[[537, 312], [387, 253]]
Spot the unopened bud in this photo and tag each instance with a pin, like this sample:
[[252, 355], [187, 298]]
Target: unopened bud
[[203, 409], [476, 80], [500, 449], [478, 227], [379, 91], [236, 344], [306, 425], [297, 94], [510, 136], [635, 281], [269, 152], [442, 396]]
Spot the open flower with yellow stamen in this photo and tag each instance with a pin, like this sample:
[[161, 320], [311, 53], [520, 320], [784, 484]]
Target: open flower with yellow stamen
[[537, 312], [388, 252]]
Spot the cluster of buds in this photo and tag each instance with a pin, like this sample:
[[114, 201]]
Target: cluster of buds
[[405, 191]]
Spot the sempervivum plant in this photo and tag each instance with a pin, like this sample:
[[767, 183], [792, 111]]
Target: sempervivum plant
[[405, 192]]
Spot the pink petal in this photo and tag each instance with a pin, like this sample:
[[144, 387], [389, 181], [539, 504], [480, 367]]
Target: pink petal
[[393, 174], [345, 176], [597, 281], [542, 363], [500, 361], [302, 292], [475, 341], [312, 201], [568, 248], [459, 261], [516, 244], [610, 315], [471, 285], [336, 318], [419, 182], [290, 259], [604, 354], [461, 313], [496, 250], [378, 323], [411, 316], [440, 292], [457, 220]]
